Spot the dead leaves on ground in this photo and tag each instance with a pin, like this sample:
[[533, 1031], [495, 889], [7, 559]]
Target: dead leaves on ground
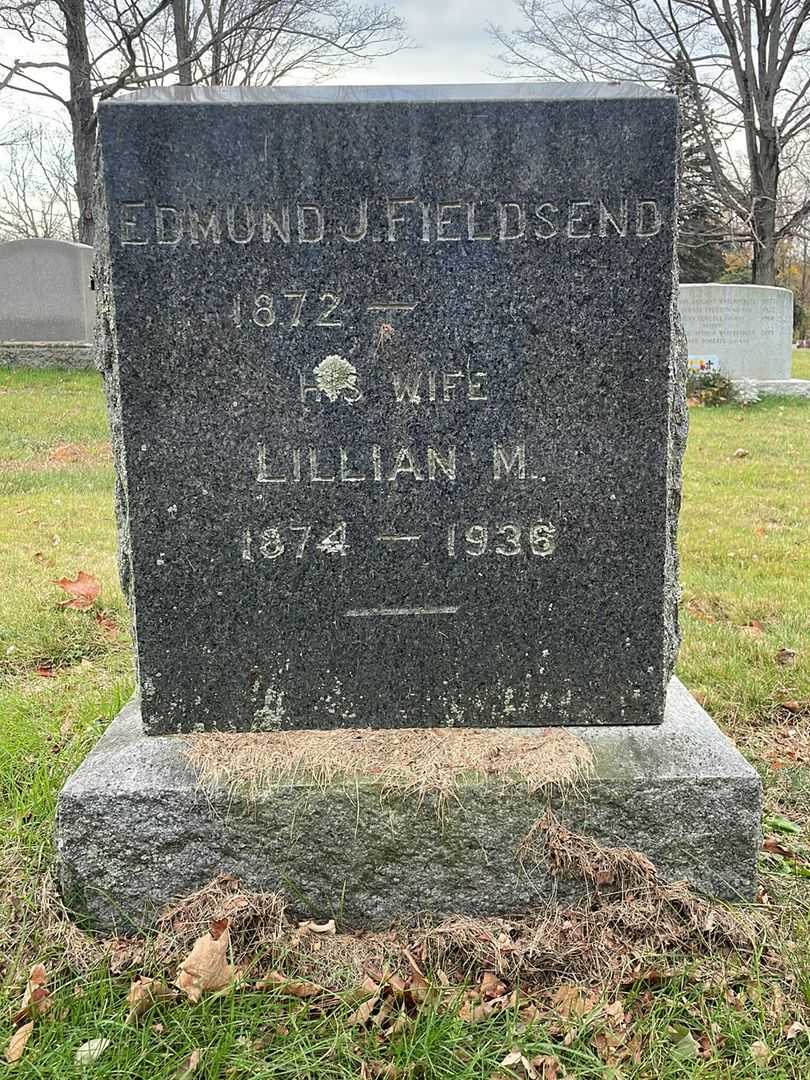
[[189, 1066], [82, 593], [206, 968], [18, 1042], [386, 1003], [89, 1052], [143, 994], [36, 1001], [298, 988]]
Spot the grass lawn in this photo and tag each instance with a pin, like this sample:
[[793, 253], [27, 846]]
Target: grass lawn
[[801, 364], [745, 551]]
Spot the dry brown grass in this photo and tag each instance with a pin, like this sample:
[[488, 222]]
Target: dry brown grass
[[66, 455], [630, 920], [405, 762]]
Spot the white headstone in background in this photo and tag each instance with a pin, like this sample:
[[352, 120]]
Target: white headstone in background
[[45, 291], [746, 330]]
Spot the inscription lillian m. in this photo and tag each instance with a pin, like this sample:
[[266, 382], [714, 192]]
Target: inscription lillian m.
[[381, 464], [389, 220]]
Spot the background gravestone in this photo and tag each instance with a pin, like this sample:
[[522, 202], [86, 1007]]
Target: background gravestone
[[748, 329], [45, 291], [393, 389]]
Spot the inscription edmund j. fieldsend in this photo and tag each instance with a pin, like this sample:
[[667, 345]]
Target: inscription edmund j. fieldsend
[[387, 220]]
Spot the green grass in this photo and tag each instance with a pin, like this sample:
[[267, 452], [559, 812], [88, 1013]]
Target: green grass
[[801, 364], [745, 560]]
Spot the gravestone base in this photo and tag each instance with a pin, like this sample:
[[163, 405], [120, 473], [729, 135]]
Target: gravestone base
[[66, 355], [781, 387], [135, 829]]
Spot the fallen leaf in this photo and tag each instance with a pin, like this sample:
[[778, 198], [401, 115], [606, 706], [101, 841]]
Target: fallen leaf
[[143, 994], [311, 927], [516, 1060], [760, 1053], [570, 1001], [379, 1070], [295, 987], [418, 988], [189, 1066], [91, 1051], [16, 1045], [218, 928], [740, 453], [82, 592], [491, 986], [362, 1014], [36, 999], [773, 847], [754, 628], [795, 1029], [785, 657], [45, 670], [206, 967], [685, 1046], [615, 1012], [548, 1068], [107, 625], [791, 706]]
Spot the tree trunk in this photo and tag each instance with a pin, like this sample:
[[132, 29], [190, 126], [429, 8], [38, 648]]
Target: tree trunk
[[82, 114], [764, 262], [181, 42], [765, 192]]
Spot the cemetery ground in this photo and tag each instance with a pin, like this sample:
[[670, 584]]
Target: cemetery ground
[[683, 992]]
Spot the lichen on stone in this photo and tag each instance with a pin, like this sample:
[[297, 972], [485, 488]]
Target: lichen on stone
[[335, 374]]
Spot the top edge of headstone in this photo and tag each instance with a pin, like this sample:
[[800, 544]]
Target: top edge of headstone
[[733, 285], [42, 242], [380, 95]]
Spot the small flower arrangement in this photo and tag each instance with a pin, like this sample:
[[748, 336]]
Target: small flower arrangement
[[709, 388]]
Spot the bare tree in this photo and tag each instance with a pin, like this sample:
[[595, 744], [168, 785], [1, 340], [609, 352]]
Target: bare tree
[[311, 38], [37, 189], [747, 59], [105, 46]]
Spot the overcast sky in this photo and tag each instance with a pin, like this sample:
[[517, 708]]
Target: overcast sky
[[450, 38], [452, 43]]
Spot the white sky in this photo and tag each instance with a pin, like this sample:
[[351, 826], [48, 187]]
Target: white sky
[[450, 36], [453, 45]]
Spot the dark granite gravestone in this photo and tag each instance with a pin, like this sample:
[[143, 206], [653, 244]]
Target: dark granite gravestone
[[396, 411]]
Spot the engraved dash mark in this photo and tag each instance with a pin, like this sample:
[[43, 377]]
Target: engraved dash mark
[[394, 538], [393, 306], [366, 613]]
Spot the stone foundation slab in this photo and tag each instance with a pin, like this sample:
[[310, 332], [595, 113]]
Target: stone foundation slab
[[67, 355], [135, 830]]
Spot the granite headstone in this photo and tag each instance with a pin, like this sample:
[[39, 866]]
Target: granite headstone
[[747, 330], [393, 385], [45, 292]]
